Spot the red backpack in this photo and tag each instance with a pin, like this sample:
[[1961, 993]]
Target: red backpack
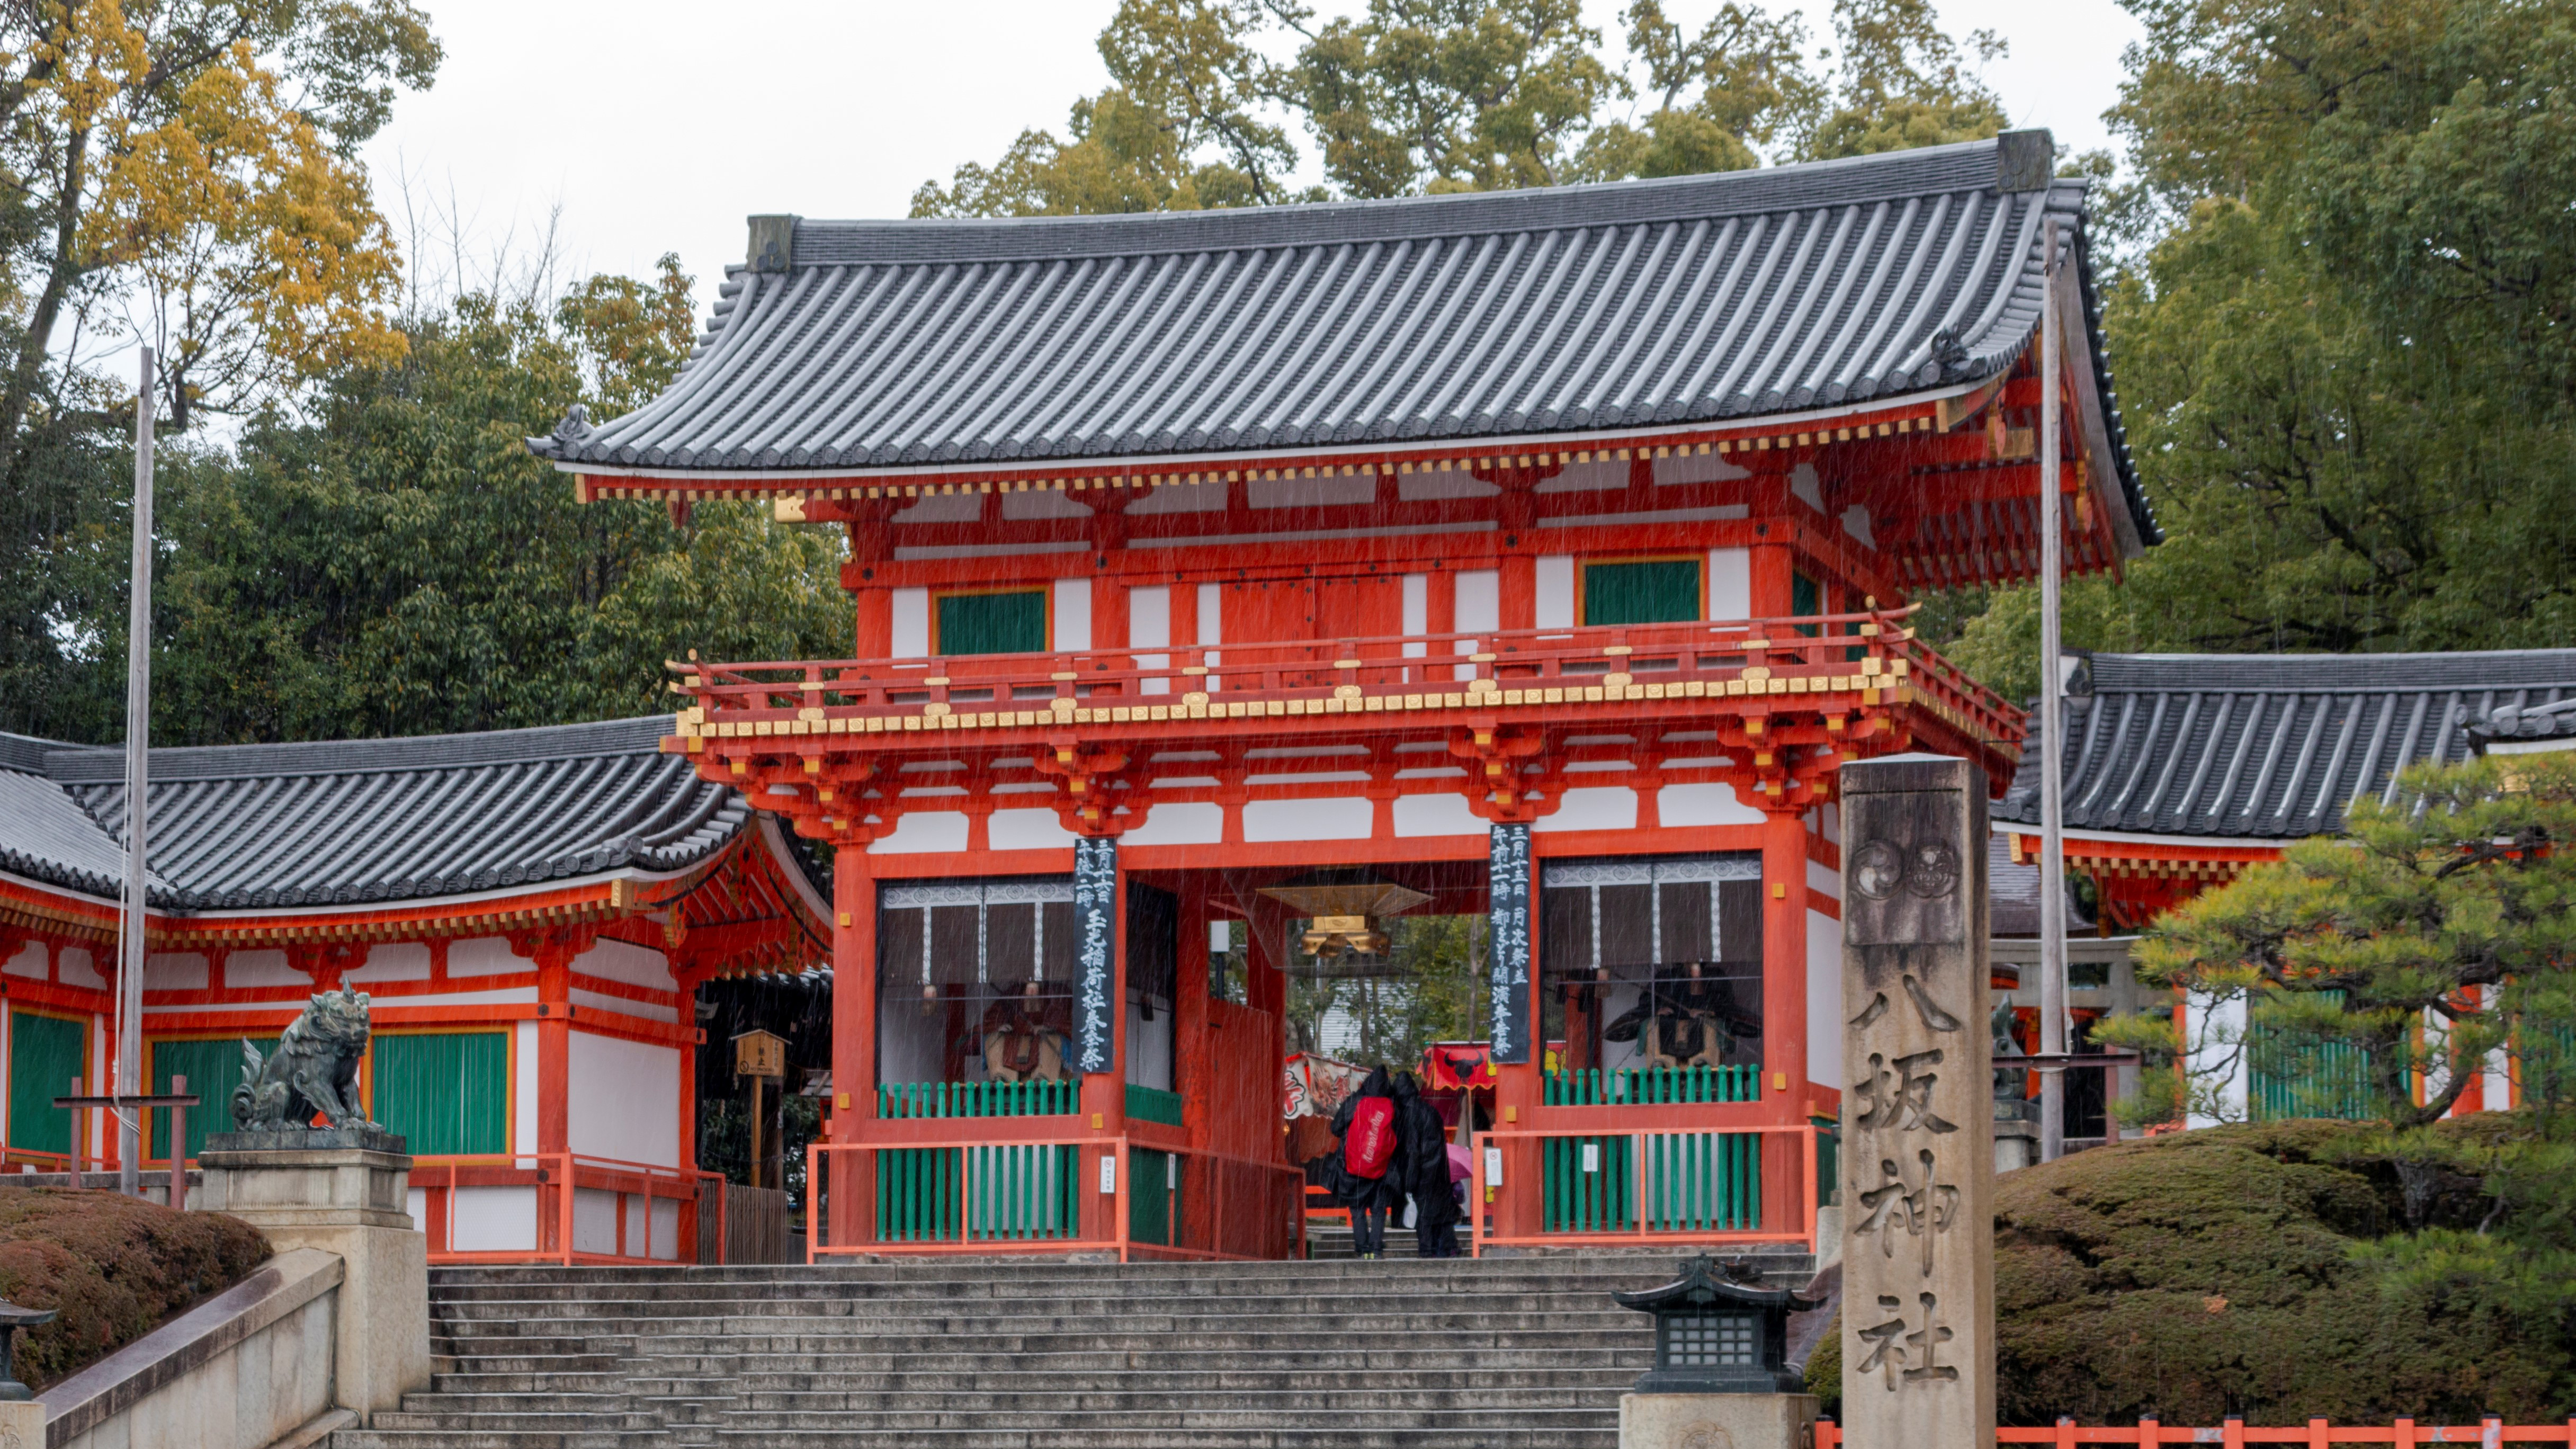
[[1370, 1144]]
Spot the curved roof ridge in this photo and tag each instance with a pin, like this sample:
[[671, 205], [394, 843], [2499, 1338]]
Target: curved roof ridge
[[1960, 166], [88, 764]]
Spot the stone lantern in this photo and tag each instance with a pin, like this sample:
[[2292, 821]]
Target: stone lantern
[[1714, 1334]]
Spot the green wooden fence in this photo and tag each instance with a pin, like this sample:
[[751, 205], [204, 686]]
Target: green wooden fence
[[213, 1068], [1007, 1193], [1693, 1182], [979, 1099], [1153, 1196], [1652, 1086]]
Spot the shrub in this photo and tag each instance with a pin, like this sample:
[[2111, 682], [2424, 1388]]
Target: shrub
[[111, 1267]]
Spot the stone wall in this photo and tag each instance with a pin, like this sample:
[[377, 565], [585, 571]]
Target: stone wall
[[242, 1370]]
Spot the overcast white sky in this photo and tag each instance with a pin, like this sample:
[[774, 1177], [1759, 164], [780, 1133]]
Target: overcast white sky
[[652, 126]]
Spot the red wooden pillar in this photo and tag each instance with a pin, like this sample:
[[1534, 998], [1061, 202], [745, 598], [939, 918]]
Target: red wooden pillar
[[854, 1042], [1774, 570], [1518, 591], [874, 633], [1784, 1011], [1193, 1066]]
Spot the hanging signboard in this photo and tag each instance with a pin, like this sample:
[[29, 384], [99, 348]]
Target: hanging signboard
[[1095, 919], [1508, 894]]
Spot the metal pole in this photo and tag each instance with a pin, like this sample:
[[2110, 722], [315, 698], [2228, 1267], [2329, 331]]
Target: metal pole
[[138, 731], [2052, 714]]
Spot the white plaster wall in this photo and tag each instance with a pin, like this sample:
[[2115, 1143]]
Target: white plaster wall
[[1040, 503], [1480, 601], [666, 1229], [396, 961], [1034, 830], [1730, 583], [1556, 591], [1267, 820], [625, 1100], [924, 832], [1824, 880], [1824, 1000], [494, 1219], [2213, 1030], [1443, 814], [1444, 483], [594, 1220], [30, 960], [1071, 599], [1697, 468], [911, 618], [1196, 822], [1311, 492], [250, 970], [181, 971], [625, 961], [1211, 614], [1149, 627], [1713, 803], [1594, 807], [601, 1001], [78, 967], [1188, 498], [1417, 612], [482, 956], [523, 1090]]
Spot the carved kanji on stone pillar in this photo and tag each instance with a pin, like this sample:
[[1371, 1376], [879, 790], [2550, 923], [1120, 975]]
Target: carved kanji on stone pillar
[[1094, 800]]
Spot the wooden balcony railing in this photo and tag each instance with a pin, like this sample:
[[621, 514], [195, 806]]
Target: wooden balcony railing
[[1870, 657]]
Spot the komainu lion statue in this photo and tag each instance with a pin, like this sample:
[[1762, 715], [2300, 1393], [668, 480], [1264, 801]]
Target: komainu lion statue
[[314, 1069]]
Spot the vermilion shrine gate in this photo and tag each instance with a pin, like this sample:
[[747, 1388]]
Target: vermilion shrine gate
[[1538, 553]]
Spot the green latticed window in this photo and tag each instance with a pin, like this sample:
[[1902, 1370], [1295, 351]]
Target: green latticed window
[[1656, 591], [213, 1067], [1006, 623], [45, 1053], [447, 1093]]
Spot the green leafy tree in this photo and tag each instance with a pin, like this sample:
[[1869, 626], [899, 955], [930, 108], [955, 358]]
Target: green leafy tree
[[394, 562], [1418, 96], [2343, 348], [2381, 970]]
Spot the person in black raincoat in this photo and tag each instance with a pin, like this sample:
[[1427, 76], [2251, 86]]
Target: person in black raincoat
[[1422, 1159], [1368, 1198]]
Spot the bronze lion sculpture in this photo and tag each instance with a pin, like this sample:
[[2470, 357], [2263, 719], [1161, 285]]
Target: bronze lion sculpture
[[314, 1069]]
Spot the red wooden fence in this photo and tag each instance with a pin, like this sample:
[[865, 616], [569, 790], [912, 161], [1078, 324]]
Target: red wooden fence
[[2316, 1433]]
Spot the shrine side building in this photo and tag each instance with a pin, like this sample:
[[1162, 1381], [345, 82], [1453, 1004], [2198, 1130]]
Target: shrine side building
[[1252, 575], [530, 912]]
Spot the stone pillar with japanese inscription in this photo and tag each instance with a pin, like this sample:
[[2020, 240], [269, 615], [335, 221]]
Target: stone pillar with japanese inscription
[[1918, 1152]]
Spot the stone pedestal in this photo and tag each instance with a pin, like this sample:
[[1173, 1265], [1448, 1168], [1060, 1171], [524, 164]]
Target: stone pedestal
[[1717, 1421], [22, 1424], [344, 1192], [2016, 1145]]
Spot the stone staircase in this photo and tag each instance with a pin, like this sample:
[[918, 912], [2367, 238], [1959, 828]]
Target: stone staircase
[[1503, 1353]]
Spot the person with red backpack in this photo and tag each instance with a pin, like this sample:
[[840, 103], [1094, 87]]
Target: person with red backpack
[[1367, 1123]]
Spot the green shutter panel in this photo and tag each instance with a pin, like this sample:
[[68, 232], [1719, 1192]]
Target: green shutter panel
[[45, 1053], [213, 1068], [1013, 623], [447, 1093], [1663, 591]]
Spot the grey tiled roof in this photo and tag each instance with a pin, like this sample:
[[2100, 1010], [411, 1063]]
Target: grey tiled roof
[[2537, 720], [1701, 298], [2266, 746], [270, 826]]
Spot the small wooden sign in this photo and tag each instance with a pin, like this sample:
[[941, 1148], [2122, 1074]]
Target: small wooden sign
[[759, 1054]]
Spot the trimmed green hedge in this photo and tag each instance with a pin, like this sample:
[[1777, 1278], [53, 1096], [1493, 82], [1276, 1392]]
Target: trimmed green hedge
[[2214, 1272], [113, 1267]]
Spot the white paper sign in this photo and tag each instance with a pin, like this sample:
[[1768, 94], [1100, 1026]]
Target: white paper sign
[[1493, 1167], [1108, 1174]]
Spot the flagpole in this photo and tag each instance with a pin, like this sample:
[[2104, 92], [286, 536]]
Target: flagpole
[[138, 730], [2052, 715]]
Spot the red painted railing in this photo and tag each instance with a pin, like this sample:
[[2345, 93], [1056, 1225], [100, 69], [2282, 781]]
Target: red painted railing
[[552, 1183], [2316, 1433], [1836, 653], [993, 1198], [1664, 1209]]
